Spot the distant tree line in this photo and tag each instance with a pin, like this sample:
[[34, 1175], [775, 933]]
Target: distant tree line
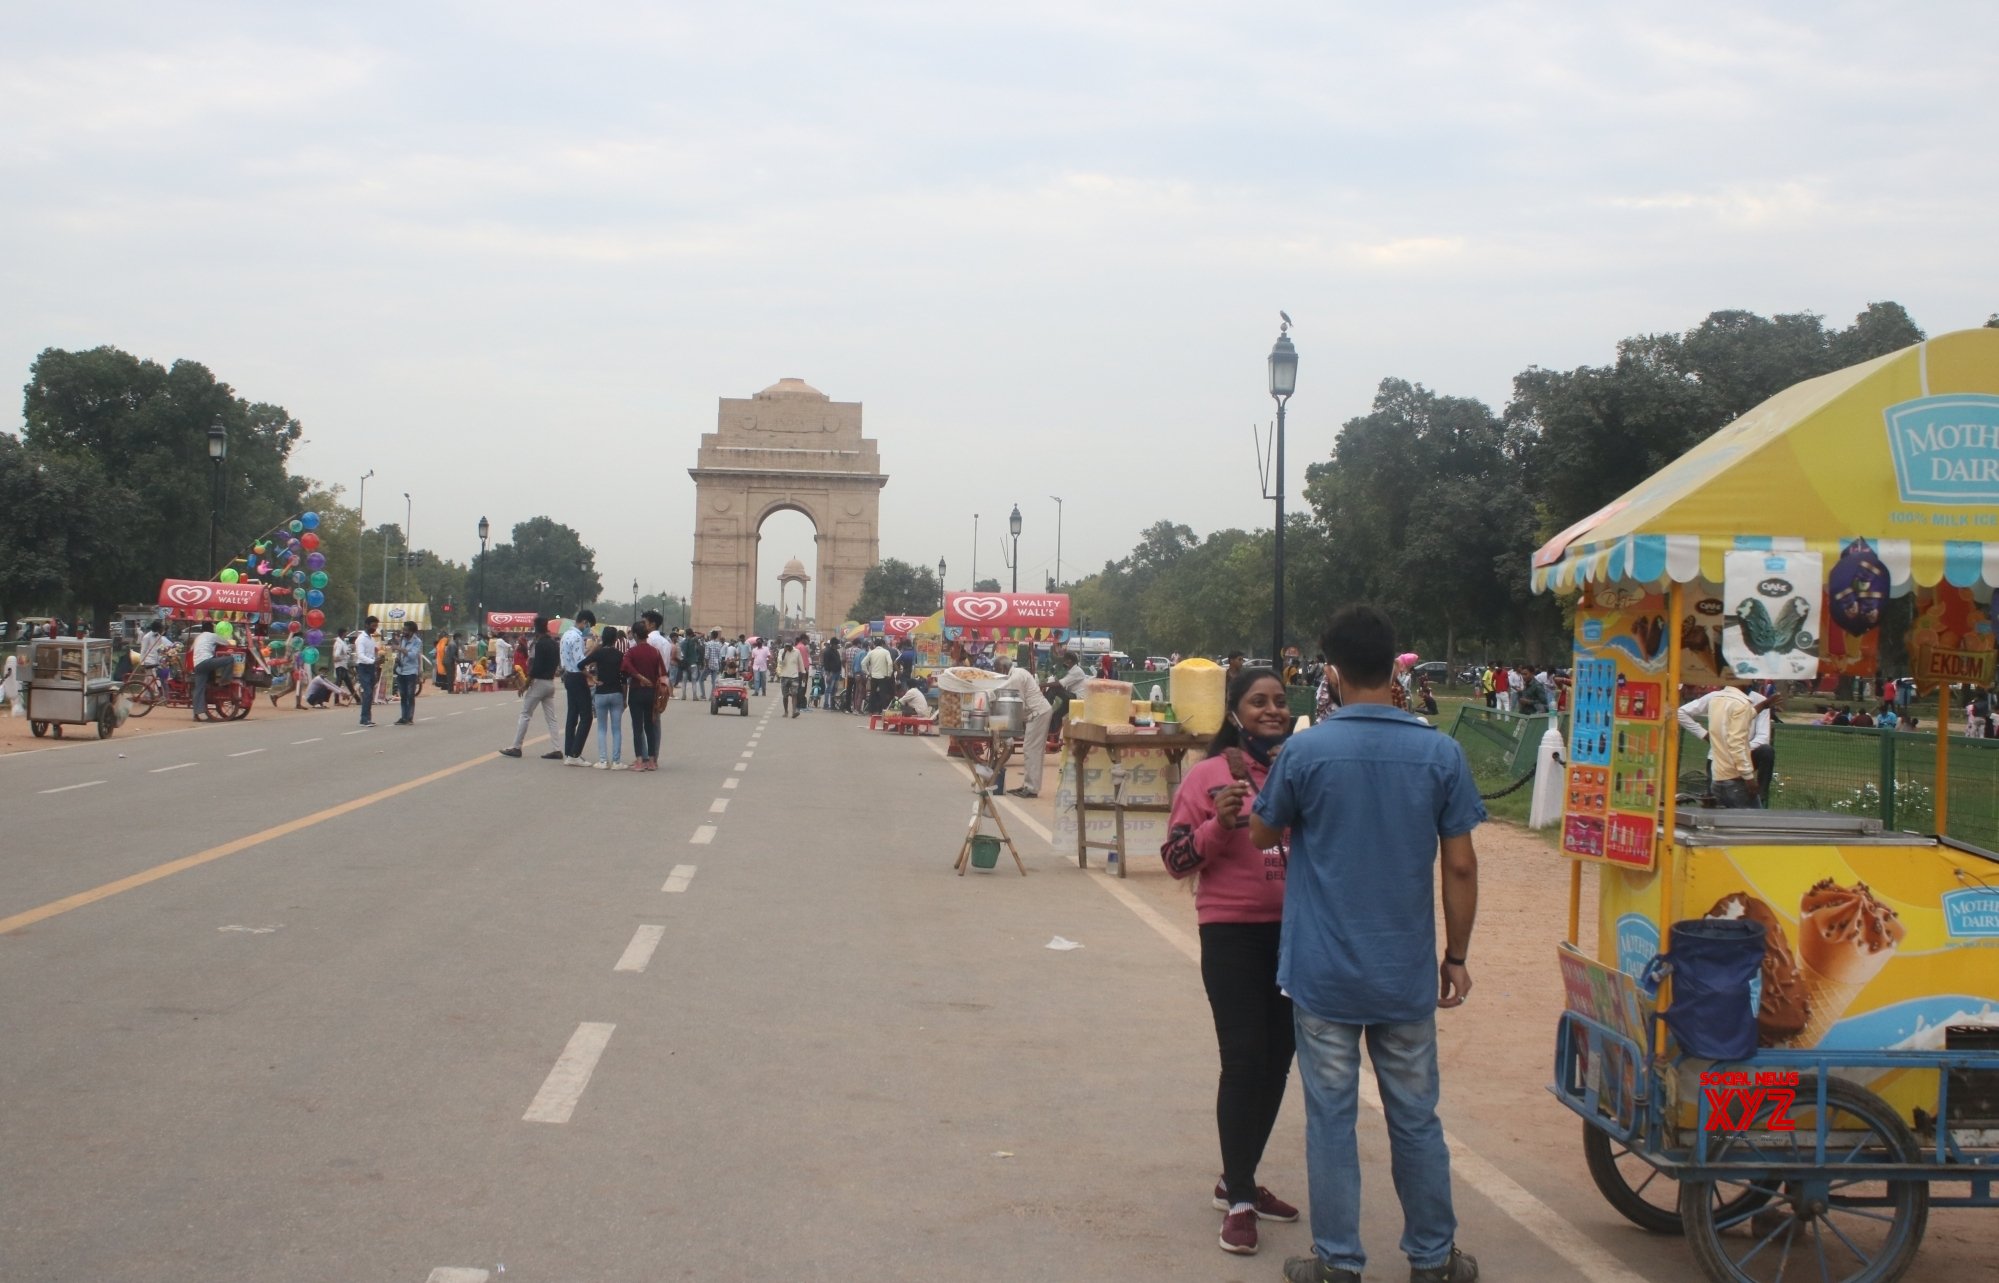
[[1431, 504]]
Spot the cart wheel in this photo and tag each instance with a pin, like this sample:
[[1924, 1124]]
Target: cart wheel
[[1821, 1230], [107, 721], [226, 706], [140, 699], [1640, 1192], [40, 729]]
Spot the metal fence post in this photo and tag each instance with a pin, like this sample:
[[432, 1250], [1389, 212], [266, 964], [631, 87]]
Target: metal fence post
[[1887, 742]]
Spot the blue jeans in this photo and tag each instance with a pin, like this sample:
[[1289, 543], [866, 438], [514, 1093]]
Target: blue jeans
[[364, 676], [610, 707], [759, 675], [203, 671], [1405, 1069], [406, 690]]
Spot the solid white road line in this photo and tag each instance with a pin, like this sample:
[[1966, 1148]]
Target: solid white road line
[[247, 752], [563, 1087], [703, 835], [68, 787], [162, 770], [1501, 1190], [314, 740], [731, 782], [718, 806], [639, 952], [459, 1274], [677, 880]]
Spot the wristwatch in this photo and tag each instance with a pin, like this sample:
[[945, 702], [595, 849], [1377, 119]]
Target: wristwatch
[[1455, 962]]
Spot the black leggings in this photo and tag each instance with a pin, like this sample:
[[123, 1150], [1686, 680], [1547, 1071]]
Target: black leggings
[[645, 724], [1253, 1028]]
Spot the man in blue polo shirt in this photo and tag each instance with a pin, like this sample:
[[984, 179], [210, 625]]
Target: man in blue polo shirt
[[1368, 795]]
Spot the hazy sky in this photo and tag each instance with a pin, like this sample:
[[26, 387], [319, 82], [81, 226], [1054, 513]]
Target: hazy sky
[[509, 255]]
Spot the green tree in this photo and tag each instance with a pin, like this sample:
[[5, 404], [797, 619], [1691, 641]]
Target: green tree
[[544, 567], [146, 429], [60, 514], [987, 585], [894, 587]]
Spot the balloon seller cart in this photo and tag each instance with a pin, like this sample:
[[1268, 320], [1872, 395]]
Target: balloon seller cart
[[1796, 1116], [233, 607]]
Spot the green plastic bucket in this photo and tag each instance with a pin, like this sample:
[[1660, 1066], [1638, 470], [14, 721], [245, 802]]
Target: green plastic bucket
[[985, 851]]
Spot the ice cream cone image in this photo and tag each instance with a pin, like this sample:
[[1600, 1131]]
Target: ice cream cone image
[[1845, 937]]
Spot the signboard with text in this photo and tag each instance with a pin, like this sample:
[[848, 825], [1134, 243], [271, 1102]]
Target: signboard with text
[[990, 611]]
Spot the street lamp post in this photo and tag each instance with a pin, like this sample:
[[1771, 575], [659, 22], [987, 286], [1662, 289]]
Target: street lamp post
[[1283, 381], [1058, 540], [940, 583], [485, 529], [360, 537], [409, 520], [218, 450], [1013, 524], [635, 601], [975, 552]]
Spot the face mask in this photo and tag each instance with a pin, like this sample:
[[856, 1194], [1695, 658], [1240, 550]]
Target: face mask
[[1260, 747]]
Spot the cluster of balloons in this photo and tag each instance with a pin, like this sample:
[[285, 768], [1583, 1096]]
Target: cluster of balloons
[[288, 561]]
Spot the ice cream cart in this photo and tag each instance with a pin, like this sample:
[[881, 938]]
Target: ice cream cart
[[1768, 553]]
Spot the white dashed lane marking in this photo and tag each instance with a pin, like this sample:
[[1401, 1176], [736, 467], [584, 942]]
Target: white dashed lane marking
[[459, 1274], [69, 787], [359, 730], [703, 835], [563, 1087], [677, 880], [731, 782], [314, 740], [742, 766], [162, 770], [718, 806], [639, 952], [247, 752]]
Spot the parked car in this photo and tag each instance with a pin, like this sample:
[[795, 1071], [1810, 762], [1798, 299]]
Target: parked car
[[1436, 670]]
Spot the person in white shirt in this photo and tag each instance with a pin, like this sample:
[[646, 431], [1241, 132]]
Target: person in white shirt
[[205, 663], [1735, 724], [878, 666], [913, 704], [1034, 741], [367, 671]]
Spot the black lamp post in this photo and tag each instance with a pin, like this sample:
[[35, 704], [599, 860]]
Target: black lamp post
[[940, 583], [635, 601], [1283, 381], [485, 529], [218, 450], [1013, 525], [360, 537]]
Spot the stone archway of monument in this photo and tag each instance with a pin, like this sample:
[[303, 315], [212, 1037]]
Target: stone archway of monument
[[775, 570]]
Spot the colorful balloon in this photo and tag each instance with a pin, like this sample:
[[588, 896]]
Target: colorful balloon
[[315, 598], [315, 561], [310, 521], [315, 618], [313, 636], [228, 576], [297, 643], [319, 579], [310, 655], [225, 630], [308, 541], [296, 526]]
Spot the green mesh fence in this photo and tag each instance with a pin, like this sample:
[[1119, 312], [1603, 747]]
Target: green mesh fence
[[1499, 746]]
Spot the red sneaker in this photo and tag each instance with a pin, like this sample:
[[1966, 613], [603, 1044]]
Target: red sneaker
[[1239, 1233], [1268, 1205]]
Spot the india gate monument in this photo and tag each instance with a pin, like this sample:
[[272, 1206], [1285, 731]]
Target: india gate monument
[[788, 447]]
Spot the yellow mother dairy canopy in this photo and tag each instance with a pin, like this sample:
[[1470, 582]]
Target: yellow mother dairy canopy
[[1902, 450]]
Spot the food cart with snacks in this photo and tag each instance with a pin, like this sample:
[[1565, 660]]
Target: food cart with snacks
[[1770, 553]]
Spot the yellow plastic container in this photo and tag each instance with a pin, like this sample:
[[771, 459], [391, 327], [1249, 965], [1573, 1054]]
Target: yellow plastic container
[[1200, 695], [1106, 703]]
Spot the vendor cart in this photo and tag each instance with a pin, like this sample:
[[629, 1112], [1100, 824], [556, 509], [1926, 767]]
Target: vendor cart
[[1872, 1093], [71, 681], [169, 683]]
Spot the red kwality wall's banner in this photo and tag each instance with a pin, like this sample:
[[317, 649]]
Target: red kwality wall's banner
[[1006, 610], [185, 596], [510, 619]]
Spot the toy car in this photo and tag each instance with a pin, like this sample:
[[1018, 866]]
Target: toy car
[[729, 692]]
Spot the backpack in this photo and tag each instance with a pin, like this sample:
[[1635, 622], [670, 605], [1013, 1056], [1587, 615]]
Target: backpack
[[690, 652]]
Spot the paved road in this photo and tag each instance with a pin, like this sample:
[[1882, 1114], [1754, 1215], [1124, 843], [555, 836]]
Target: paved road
[[398, 1005]]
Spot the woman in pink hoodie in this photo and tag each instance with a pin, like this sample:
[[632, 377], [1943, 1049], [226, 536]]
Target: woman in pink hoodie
[[1239, 900]]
